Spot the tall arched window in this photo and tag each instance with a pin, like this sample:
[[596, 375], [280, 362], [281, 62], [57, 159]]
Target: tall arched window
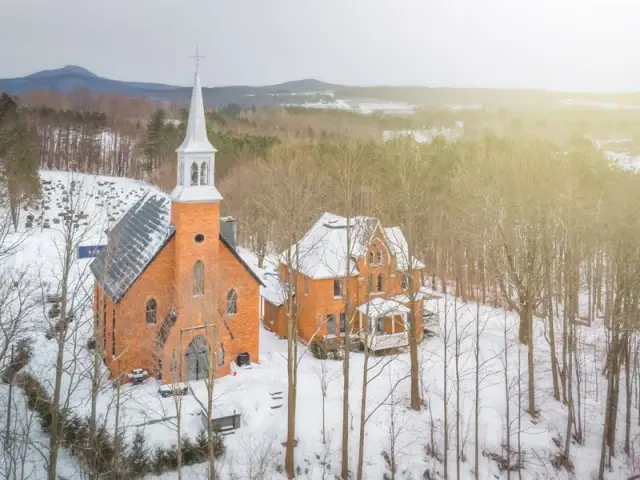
[[113, 333], [152, 309], [379, 258], [370, 258], [204, 174], [221, 355], [198, 278], [194, 174], [232, 302], [380, 283]]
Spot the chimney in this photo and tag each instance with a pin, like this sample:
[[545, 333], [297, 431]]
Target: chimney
[[229, 230]]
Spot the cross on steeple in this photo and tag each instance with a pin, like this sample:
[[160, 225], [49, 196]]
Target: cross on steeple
[[197, 58]]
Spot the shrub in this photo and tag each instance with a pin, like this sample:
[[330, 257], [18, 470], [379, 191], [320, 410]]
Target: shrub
[[138, 461], [21, 356], [325, 350], [37, 398], [202, 444]]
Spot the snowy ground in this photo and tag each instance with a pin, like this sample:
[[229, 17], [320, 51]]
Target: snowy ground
[[264, 428], [621, 154]]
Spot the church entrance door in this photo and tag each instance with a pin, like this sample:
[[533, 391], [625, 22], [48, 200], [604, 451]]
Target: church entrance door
[[197, 359]]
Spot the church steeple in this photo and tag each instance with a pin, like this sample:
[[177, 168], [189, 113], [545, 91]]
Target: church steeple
[[196, 156], [196, 140]]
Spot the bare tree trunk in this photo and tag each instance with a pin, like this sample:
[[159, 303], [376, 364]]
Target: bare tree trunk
[[476, 417], [552, 331], [56, 419], [507, 396], [530, 362]]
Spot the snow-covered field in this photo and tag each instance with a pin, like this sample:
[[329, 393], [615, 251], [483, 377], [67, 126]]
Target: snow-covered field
[[579, 102], [428, 134], [365, 107], [621, 155], [249, 392]]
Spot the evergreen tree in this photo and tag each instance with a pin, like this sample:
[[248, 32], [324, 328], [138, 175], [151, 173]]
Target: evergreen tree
[[19, 158], [154, 148], [138, 458]]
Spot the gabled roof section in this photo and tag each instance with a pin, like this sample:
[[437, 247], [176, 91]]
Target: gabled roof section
[[400, 248], [323, 249], [196, 139], [226, 243], [322, 252], [132, 244]]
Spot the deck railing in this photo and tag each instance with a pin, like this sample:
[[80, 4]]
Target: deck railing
[[386, 341]]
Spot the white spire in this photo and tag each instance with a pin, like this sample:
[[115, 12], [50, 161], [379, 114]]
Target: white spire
[[196, 140], [196, 156]]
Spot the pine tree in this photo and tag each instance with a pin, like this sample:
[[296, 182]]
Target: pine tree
[[138, 458], [154, 148], [19, 155]]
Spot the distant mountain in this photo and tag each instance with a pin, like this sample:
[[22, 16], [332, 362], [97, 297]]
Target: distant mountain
[[72, 77], [311, 92]]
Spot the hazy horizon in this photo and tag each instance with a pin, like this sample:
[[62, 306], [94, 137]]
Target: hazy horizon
[[560, 45]]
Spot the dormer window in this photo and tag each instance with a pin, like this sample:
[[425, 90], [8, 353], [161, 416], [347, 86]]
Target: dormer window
[[194, 174]]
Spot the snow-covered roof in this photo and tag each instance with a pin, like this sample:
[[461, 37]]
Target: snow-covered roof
[[397, 242], [196, 139], [382, 307], [323, 253], [134, 241], [404, 298], [273, 290], [323, 249]]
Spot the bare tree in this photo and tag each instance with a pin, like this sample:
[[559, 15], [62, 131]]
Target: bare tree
[[326, 377], [289, 199]]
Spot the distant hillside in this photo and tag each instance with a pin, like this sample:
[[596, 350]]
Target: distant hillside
[[315, 93]]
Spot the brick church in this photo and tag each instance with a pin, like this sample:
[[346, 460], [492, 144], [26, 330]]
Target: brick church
[[172, 295]]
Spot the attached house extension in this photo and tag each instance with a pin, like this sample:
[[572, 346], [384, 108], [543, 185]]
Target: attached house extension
[[380, 280]]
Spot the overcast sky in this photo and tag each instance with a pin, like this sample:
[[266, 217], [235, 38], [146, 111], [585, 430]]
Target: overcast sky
[[556, 44]]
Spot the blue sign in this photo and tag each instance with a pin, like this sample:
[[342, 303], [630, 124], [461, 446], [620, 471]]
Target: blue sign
[[90, 251]]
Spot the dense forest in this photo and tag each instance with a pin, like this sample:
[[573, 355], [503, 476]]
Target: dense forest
[[520, 211]]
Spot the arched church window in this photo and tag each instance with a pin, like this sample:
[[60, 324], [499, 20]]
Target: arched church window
[[198, 278], [152, 309], [204, 173], [370, 258], [379, 258], [232, 302], [221, 355], [380, 283], [194, 174]]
